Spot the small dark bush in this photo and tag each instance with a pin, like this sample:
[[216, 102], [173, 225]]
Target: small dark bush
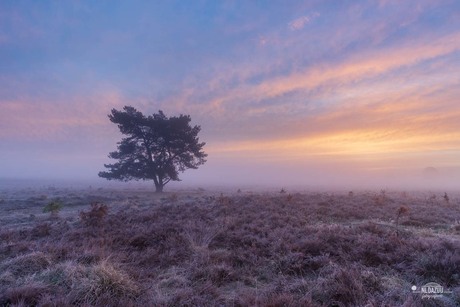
[[95, 216], [140, 242], [41, 230], [53, 207], [457, 228]]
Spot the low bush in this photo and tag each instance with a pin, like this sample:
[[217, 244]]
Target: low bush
[[95, 216], [53, 207]]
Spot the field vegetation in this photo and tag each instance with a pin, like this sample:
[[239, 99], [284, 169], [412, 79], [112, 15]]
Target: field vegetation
[[101, 247]]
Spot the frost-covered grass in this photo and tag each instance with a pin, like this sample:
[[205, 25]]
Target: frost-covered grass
[[197, 248]]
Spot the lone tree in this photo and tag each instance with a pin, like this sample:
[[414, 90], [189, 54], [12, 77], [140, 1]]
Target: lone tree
[[155, 147]]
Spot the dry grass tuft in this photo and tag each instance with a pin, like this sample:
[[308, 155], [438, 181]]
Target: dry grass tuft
[[29, 294], [91, 285]]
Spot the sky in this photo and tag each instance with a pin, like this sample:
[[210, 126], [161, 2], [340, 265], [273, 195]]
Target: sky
[[286, 92]]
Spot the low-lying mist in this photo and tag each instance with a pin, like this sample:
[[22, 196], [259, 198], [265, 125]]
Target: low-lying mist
[[266, 179], [323, 177]]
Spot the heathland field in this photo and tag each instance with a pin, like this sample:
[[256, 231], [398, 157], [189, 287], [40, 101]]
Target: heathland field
[[107, 247]]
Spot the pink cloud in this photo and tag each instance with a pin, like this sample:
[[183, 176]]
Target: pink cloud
[[42, 118], [387, 104], [299, 23], [356, 68]]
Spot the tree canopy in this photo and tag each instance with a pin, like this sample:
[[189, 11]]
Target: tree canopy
[[155, 147]]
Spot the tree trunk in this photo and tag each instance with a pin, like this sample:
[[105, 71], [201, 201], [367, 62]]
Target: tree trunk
[[158, 181], [158, 188]]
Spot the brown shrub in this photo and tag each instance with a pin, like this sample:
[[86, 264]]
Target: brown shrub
[[41, 230], [140, 242], [95, 216]]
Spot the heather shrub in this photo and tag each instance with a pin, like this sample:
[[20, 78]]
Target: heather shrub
[[446, 198], [173, 278], [300, 264], [173, 198], [394, 290], [456, 227], [41, 230], [278, 249], [341, 286], [88, 258], [401, 210], [167, 247], [95, 216], [9, 250], [27, 264], [140, 242], [218, 274], [28, 294], [441, 265]]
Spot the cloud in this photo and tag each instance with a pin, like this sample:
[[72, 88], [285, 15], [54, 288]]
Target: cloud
[[45, 118], [322, 76], [385, 105], [299, 23], [375, 107]]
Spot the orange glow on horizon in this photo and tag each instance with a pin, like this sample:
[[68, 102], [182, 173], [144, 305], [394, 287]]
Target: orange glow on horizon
[[365, 145]]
